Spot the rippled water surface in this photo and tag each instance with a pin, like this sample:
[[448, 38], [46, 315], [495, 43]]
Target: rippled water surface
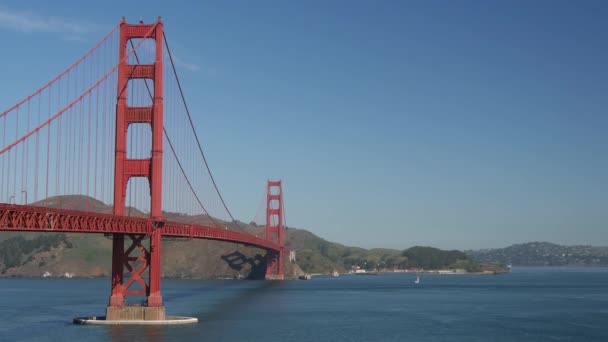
[[530, 304]]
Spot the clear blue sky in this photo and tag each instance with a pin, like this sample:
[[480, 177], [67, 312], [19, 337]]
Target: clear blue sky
[[464, 124]]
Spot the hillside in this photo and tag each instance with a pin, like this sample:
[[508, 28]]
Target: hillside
[[316, 255], [90, 255], [544, 254]]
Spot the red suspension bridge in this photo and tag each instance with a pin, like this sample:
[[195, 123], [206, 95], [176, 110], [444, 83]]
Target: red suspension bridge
[[98, 129]]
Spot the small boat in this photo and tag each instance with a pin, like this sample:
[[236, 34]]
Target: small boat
[[305, 277], [417, 281], [335, 274]]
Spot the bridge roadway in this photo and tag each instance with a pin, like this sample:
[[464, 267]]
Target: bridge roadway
[[42, 219]]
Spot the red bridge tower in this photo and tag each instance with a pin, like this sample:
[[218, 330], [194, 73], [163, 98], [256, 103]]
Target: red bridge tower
[[147, 258], [274, 229]]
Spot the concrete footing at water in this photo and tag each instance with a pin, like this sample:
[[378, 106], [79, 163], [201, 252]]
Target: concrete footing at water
[[135, 315], [169, 320]]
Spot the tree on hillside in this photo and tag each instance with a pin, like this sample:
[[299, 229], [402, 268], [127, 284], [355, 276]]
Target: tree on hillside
[[432, 258]]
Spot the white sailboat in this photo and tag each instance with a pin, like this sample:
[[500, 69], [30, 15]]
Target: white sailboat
[[417, 281]]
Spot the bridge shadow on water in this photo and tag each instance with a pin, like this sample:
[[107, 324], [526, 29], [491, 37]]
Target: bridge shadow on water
[[226, 309], [136, 333], [228, 306], [246, 295]]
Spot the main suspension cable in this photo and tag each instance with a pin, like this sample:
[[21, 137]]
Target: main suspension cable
[[194, 131], [173, 150]]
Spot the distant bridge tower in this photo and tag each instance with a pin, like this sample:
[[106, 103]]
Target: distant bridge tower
[[125, 168], [274, 229]]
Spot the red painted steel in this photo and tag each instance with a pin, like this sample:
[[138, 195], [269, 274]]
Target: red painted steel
[[274, 229], [127, 168], [135, 257], [71, 67], [41, 219], [136, 265]]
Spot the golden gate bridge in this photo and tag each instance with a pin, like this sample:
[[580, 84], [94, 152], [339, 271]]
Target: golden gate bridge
[[115, 127]]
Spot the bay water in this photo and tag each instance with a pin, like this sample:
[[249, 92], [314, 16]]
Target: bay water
[[529, 304]]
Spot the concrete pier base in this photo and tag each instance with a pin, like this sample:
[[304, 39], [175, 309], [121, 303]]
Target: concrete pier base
[[169, 320], [135, 313]]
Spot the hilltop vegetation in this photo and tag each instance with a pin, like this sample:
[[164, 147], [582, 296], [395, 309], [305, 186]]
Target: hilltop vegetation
[[433, 258], [18, 250]]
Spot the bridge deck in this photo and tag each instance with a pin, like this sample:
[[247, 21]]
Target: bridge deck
[[42, 219]]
